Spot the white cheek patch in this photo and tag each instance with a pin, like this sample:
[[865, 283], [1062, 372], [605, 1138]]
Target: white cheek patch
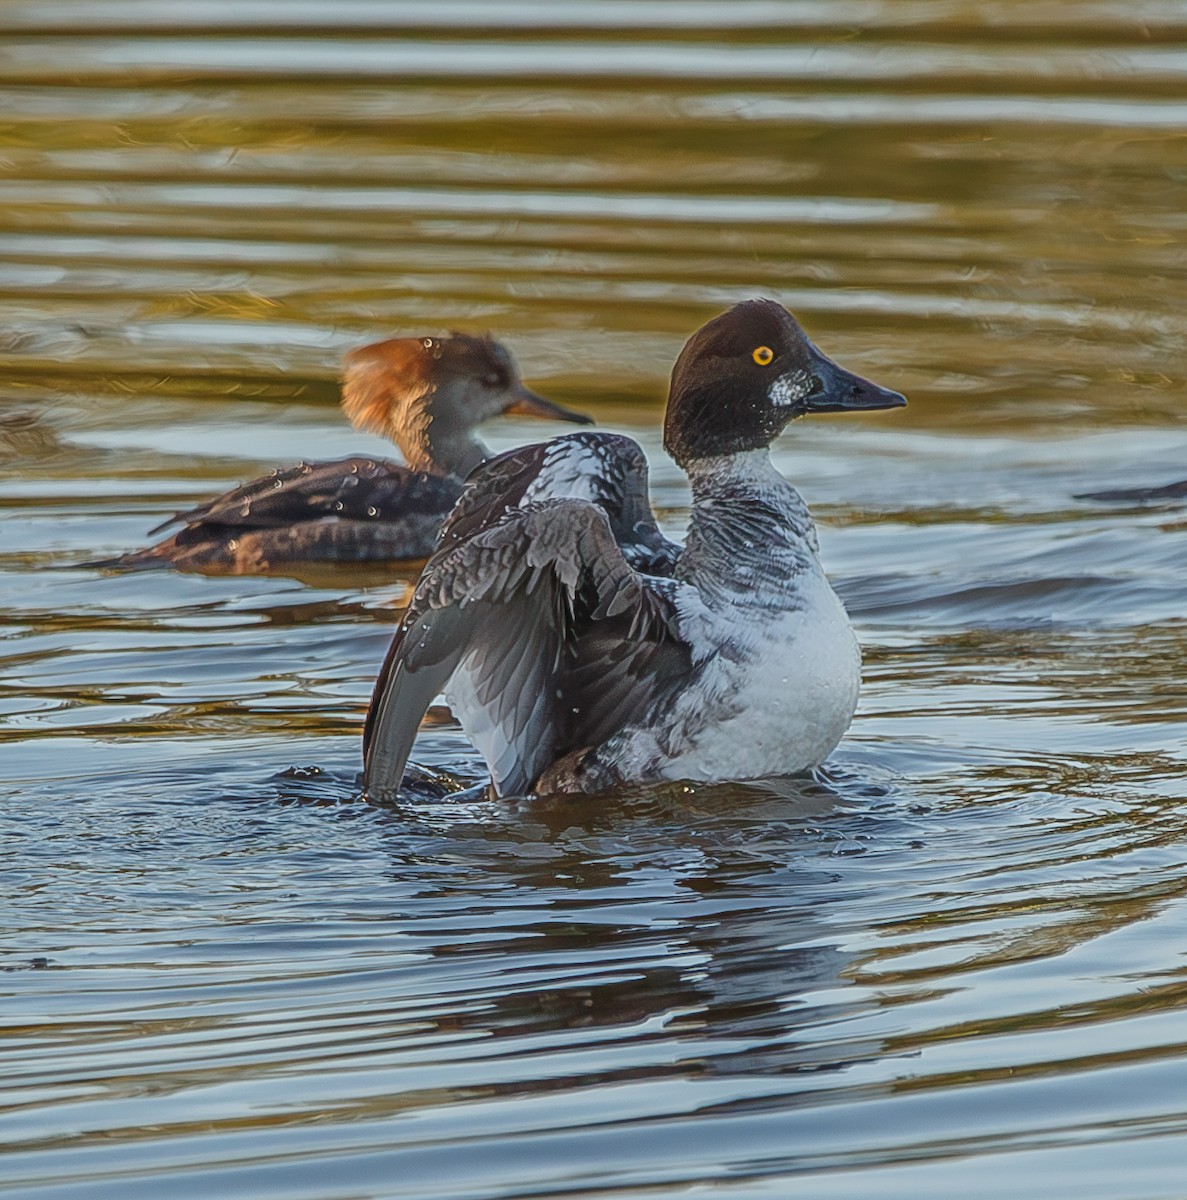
[[790, 389]]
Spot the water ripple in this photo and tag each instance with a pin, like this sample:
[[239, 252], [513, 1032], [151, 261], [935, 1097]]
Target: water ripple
[[951, 964]]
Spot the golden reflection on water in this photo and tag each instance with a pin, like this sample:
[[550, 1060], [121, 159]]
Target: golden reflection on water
[[988, 209]]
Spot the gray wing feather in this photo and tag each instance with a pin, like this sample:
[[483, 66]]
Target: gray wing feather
[[391, 728], [608, 469], [530, 611]]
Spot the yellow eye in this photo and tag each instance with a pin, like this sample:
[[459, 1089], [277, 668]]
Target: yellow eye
[[763, 355]]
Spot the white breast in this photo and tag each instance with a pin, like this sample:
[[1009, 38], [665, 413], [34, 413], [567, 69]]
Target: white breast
[[776, 694]]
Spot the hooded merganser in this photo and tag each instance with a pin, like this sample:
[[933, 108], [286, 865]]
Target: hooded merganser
[[425, 394], [574, 665]]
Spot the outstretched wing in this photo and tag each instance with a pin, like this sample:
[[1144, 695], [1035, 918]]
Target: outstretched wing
[[607, 469], [358, 489], [552, 639]]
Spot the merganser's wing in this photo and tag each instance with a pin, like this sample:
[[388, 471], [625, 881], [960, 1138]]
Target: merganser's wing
[[353, 510], [607, 469], [359, 489], [553, 640]]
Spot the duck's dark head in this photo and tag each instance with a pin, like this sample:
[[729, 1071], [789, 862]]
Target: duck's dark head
[[742, 377], [429, 394]]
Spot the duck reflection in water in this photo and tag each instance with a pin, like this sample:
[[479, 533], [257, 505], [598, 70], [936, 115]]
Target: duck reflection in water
[[684, 917], [426, 394], [581, 651]]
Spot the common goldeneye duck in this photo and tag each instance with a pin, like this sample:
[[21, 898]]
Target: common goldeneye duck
[[425, 394], [573, 668]]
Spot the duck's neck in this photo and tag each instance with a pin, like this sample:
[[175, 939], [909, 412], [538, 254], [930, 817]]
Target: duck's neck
[[436, 445], [750, 533]]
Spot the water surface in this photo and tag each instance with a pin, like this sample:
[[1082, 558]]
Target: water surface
[[951, 966]]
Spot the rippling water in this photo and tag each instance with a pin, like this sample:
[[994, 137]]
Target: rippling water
[[953, 966]]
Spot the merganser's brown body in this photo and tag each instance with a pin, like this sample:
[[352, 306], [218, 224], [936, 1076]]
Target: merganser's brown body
[[425, 394]]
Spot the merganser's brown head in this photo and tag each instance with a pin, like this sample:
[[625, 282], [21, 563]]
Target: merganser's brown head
[[429, 394]]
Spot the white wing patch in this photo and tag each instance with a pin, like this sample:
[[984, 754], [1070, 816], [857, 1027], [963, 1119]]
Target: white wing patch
[[571, 469]]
